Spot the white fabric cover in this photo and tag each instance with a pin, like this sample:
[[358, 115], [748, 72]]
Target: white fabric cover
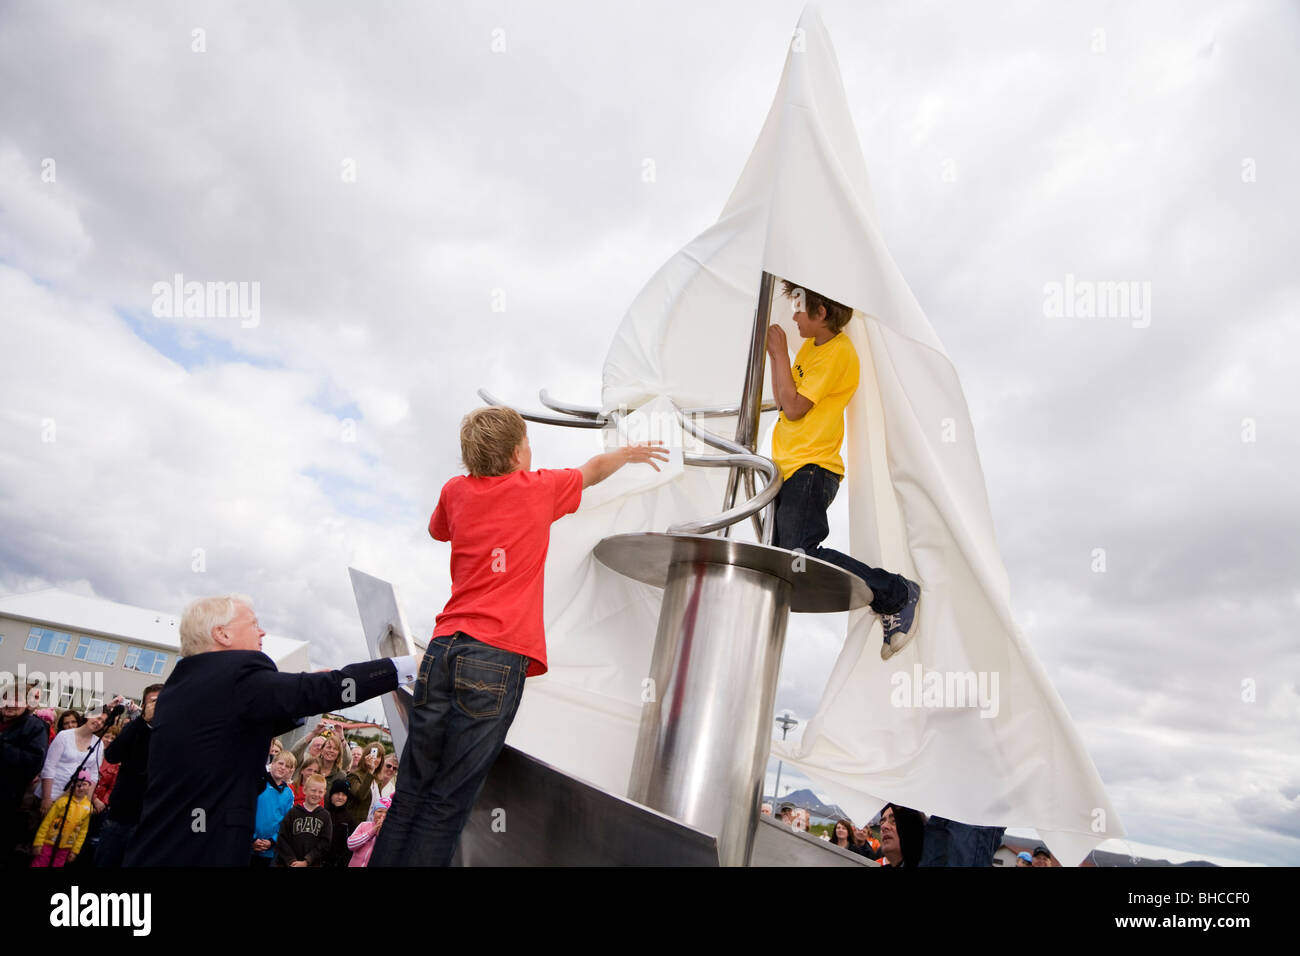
[[917, 502]]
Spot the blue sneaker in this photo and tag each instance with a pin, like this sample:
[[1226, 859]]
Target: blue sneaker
[[900, 627]]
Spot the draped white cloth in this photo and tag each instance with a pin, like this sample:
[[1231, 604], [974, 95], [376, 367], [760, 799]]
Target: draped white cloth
[[917, 504]]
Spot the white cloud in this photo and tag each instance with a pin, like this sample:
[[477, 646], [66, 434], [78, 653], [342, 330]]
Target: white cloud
[[522, 172]]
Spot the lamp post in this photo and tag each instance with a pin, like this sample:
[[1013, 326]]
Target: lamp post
[[786, 722]]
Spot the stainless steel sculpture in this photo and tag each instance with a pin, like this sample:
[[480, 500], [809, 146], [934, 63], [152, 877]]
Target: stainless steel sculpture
[[703, 740], [704, 737]]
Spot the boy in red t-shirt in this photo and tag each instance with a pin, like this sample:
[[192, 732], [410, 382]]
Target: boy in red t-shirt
[[490, 635]]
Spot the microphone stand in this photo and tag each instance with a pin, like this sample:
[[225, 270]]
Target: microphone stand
[[72, 781]]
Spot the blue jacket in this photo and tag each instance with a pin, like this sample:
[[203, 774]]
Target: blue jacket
[[272, 805]]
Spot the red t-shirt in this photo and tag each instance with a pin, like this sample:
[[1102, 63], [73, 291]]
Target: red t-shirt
[[500, 529]]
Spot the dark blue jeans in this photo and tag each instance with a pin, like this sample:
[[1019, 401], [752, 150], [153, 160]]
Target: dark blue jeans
[[113, 841], [801, 525], [949, 843], [465, 699]]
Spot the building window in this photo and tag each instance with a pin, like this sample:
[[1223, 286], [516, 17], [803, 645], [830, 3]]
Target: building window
[[93, 651], [145, 661], [45, 641]]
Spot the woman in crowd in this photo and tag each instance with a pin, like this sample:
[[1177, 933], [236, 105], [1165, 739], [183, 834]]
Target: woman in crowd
[[101, 794], [68, 720], [69, 750], [842, 835], [333, 759], [385, 782], [362, 781]]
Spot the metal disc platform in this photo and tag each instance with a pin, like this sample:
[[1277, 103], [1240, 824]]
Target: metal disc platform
[[816, 586]]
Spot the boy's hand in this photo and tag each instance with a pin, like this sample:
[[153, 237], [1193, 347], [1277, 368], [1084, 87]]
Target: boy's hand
[[645, 452], [602, 466], [776, 342]]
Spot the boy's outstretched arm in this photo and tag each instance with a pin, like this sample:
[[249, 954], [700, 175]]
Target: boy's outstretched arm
[[794, 405], [602, 466]]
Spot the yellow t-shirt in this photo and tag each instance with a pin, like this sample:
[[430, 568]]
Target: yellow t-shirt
[[826, 375]]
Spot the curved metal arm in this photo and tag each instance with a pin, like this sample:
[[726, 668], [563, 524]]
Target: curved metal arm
[[542, 418], [591, 411], [714, 439], [724, 411], [740, 512], [763, 525], [581, 411], [586, 416]]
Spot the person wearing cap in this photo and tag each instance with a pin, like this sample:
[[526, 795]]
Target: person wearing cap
[[362, 841], [63, 831], [1043, 857], [1024, 859]]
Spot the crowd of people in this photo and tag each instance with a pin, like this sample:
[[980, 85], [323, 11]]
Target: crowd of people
[[73, 786], [901, 836]]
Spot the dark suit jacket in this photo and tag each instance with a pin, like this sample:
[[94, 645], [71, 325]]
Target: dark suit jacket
[[212, 728], [129, 749]]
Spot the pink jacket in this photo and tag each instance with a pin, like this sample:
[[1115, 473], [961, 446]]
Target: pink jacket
[[362, 843]]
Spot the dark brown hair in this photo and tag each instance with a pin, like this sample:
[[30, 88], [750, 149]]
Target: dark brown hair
[[837, 314]]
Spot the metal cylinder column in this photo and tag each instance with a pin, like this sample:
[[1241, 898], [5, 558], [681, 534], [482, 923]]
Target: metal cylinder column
[[702, 748]]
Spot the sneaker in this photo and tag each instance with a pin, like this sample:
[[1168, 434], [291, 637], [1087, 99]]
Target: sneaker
[[900, 627]]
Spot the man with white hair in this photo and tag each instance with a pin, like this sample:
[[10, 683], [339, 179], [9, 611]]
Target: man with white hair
[[213, 722]]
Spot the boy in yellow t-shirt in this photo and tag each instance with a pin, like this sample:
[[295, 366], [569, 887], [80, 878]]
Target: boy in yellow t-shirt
[[806, 447]]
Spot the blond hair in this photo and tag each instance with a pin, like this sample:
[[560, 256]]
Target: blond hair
[[488, 439], [286, 756], [311, 778], [202, 615]]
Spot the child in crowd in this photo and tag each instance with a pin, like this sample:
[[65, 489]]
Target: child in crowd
[[274, 802], [340, 823], [362, 841], [74, 827], [490, 634], [813, 394], [305, 831], [310, 765], [276, 747], [47, 714]]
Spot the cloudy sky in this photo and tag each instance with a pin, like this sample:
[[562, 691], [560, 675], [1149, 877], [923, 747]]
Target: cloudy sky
[[432, 198]]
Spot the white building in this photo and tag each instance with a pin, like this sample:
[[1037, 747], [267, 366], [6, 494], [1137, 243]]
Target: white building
[[82, 651]]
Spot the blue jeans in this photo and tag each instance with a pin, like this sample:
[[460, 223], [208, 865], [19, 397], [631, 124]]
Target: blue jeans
[[801, 525], [113, 841], [465, 699], [949, 843]]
